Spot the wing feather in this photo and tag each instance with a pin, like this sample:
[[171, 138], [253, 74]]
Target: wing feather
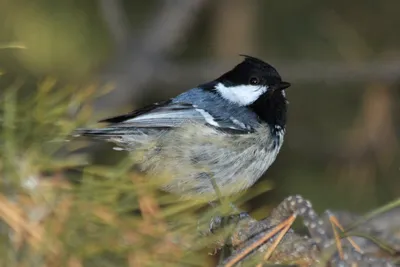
[[171, 115], [157, 118]]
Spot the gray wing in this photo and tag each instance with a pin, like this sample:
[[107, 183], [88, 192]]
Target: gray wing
[[169, 116], [159, 117]]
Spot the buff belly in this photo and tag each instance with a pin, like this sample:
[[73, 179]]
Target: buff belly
[[187, 159]]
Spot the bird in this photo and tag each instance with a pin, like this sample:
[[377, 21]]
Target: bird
[[214, 140]]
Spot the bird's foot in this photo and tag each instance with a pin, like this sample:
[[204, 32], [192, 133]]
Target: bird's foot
[[218, 222]]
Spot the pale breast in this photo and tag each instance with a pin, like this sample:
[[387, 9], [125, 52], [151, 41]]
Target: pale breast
[[187, 159]]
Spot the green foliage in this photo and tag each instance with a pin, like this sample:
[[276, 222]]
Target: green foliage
[[34, 125], [110, 218]]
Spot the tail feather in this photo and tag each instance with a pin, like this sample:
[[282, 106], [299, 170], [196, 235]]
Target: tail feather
[[101, 133], [124, 138]]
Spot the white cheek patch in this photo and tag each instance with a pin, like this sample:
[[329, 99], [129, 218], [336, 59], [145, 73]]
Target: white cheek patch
[[242, 95]]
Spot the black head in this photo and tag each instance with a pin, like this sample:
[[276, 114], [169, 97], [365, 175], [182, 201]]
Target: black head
[[253, 71], [257, 85]]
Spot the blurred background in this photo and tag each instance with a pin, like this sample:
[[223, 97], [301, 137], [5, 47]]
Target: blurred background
[[342, 57]]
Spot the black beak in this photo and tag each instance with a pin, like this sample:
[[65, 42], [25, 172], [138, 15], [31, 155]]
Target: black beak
[[283, 85]]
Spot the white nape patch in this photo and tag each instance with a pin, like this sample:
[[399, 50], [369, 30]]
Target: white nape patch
[[207, 116], [118, 148], [242, 95]]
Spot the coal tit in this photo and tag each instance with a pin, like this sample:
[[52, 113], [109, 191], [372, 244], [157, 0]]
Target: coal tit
[[230, 130]]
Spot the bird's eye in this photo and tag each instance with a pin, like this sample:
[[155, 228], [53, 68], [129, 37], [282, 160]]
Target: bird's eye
[[254, 80]]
